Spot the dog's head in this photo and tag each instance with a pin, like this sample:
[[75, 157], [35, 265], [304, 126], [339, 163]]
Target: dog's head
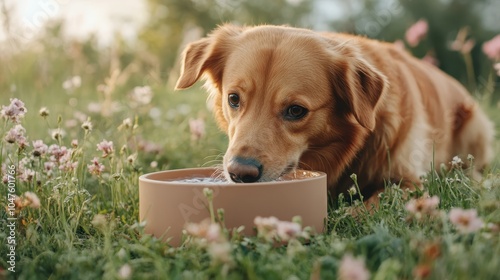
[[279, 92]]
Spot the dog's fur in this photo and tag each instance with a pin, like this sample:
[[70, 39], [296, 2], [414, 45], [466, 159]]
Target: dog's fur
[[373, 109]]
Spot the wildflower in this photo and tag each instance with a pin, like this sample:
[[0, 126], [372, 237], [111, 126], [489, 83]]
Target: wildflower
[[66, 164], [99, 220], [416, 32], [352, 269], [44, 112], [125, 271], [74, 143], [271, 228], [32, 200], [456, 162], [87, 125], [220, 252], [72, 83], [266, 227], [461, 44], [16, 135], [57, 134], [56, 152], [288, 230], [470, 157], [197, 128], [27, 175], [106, 147], [94, 107], [95, 167], [466, 221], [39, 148], [126, 123], [142, 95], [153, 164], [131, 159], [15, 111], [206, 230], [422, 206], [496, 66], [492, 48], [49, 167]]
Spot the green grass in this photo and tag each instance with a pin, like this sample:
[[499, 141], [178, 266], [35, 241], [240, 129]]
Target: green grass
[[62, 239]]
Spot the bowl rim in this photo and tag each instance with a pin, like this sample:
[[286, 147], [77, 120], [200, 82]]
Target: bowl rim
[[145, 178]]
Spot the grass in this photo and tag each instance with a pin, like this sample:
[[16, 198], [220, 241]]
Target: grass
[[87, 224]]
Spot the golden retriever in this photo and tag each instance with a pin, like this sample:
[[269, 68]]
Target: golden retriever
[[336, 103]]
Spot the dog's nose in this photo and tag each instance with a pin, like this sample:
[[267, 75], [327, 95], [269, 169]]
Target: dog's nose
[[244, 170]]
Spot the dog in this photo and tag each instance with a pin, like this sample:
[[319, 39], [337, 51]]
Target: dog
[[342, 104]]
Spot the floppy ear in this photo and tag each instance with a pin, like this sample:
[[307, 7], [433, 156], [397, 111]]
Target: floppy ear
[[206, 54], [357, 88], [194, 58]]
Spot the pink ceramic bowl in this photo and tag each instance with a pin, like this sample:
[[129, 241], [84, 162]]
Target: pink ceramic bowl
[[167, 204]]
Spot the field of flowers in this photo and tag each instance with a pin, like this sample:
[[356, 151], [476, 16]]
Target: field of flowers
[[80, 126]]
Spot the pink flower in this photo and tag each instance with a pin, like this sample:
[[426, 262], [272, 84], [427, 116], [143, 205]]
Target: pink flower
[[456, 162], [27, 175], [15, 111], [271, 228], [56, 152], [352, 269], [423, 206], [16, 135], [416, 32], [39, 148], [492, 48], [65, 162], [95, 167], [197, 128], [106, 147], [466, 221], [461, 43], [288, 230]]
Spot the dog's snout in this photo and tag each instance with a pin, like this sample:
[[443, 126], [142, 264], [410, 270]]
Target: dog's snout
[[244, 170]]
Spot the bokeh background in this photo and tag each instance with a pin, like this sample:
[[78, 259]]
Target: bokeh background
[[111, 60]]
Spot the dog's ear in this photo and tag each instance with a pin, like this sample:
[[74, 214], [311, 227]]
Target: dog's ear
[[357, 87], [193, 59], [206, 55]]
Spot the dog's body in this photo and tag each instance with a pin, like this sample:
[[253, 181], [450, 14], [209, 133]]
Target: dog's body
[[337, 103]]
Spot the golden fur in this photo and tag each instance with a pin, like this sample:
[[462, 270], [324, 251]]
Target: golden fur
[[372, 109]]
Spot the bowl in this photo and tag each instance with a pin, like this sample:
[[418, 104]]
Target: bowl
[[167, 202]]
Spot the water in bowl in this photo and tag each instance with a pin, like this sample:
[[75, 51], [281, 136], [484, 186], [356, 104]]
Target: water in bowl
[[296, 175]]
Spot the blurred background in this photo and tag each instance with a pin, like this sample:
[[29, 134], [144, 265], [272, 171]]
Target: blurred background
[[113, 59]]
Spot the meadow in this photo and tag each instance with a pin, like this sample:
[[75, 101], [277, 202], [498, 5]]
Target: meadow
[[85, 124]]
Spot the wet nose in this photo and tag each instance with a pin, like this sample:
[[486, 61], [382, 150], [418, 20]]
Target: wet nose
[[244, 170]]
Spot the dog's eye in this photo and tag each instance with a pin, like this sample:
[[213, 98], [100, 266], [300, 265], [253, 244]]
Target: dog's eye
[[295, 112], [233, 100]]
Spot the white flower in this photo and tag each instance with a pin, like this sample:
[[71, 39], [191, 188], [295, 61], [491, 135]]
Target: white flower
[[466, 221], [125, 271], [142, 95], [72, 83], [456, 162]]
